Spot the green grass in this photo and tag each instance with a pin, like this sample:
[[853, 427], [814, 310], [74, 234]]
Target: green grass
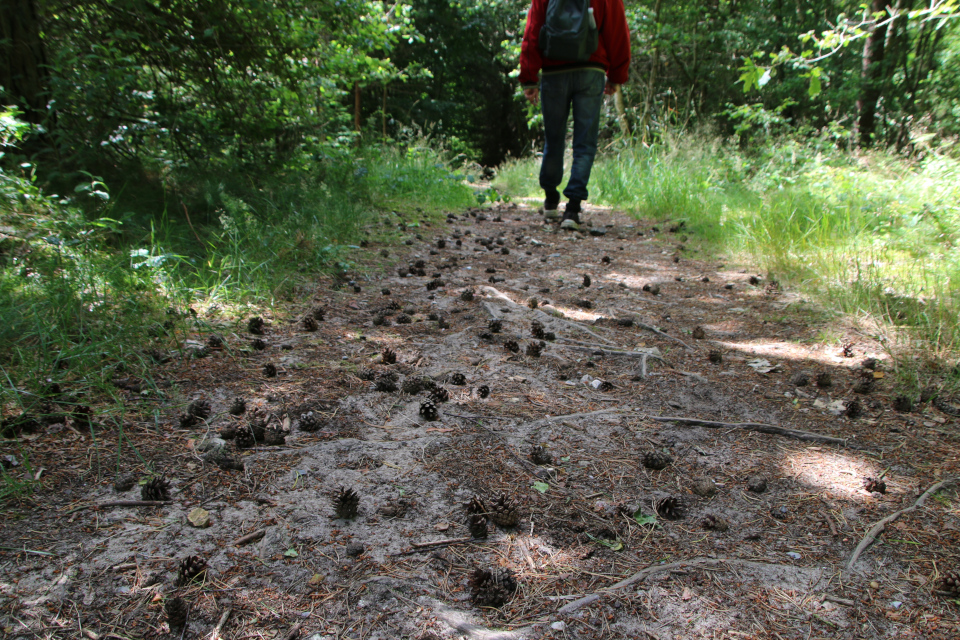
[[873, 235], [17, 482], [89, 285]]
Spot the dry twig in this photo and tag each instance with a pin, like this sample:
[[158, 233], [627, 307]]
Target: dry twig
[[877, 529], [760, 427]]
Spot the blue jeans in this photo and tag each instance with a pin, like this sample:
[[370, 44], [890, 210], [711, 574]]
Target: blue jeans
[[583, 89]]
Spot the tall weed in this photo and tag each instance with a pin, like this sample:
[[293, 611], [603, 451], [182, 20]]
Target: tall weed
[[871, 233]]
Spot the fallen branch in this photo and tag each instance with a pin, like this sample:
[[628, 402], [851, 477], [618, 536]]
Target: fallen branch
[[250, 537], [121, 503], [663, 335], [420, 547], [570, 416], [877, 529], [760, 427], [502, 296], [615, 352], [637, 577], [294, 632], [217, 629]]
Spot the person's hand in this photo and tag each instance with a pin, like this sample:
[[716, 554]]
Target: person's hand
[[532, 94], [610, 88]]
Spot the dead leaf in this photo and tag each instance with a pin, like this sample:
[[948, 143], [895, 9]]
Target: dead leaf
[[687, 594]]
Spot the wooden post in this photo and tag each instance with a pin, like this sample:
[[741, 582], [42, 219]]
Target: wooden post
[[356, 106]]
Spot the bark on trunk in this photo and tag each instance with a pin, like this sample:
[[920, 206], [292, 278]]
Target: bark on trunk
[[23, 65], [872, 76]]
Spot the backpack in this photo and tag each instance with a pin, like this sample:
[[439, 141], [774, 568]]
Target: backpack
[[569, 31]]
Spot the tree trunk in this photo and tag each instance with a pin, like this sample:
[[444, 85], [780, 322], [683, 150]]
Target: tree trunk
[[872, 76], [23, 64]]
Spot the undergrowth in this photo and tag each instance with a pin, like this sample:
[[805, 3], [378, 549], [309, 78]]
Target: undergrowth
[[95, 288], [870, 234]]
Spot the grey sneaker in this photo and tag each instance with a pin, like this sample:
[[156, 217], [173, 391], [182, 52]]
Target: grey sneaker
[[550, 211], [571, 224]]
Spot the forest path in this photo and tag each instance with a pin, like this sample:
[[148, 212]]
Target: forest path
[[745, 532]]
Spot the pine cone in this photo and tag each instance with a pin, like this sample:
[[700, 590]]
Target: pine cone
[[534, 349], [715, 356], [386, 384], [586, 281], [319, 314], [274, 437], [511, 345], [854, 409], [476, 507], [215, 341], [492, 587], [245, 438], [699, 333], [259, 344], [903, 403], [310, 323], [270, 370], [495, 325], [824, 380], [199, 408], [156, 488], [458, 379], [670, 508], [367, 374], [176, 610], [187, 421], [412, 386], [539, 455], [238, 407], [380, 320], [505, 512], [192, 568], [714, 523], [309, 422], [404, 319], [389, 356], [346, 504], [428, 411], [255, 326], [477, 523], [436, 283], [439, 394], [483, 391], [950, 582], [657, 460], [875, 484], [467, 295], [537, 330]]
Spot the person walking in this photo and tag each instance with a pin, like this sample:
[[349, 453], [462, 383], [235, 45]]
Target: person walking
[[581, 51]]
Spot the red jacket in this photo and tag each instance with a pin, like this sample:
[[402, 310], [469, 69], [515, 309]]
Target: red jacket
[[612, 54]]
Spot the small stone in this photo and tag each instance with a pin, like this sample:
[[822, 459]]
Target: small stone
[[199, 518], [123, 483], [705, 487], [757, 484], [354, 549], [779, 513], [598, 232]]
